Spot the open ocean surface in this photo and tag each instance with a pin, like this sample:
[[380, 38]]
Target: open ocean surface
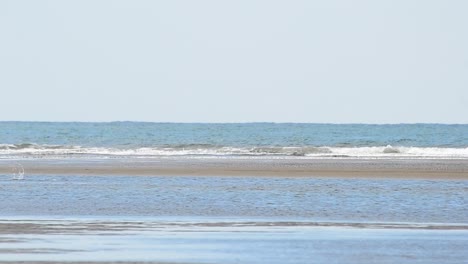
[[137, 139], [231, 219]]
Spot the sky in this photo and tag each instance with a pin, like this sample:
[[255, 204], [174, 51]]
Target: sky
[[395, 61]]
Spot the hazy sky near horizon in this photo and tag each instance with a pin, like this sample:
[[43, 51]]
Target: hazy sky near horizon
[[234, 61]]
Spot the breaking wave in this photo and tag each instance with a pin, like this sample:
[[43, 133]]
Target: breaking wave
[[30, 149]]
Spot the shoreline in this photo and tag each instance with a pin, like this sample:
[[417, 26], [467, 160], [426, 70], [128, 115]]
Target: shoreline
[[431, 169]]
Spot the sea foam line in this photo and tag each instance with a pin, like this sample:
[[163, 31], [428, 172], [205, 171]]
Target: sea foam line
[[209, 150]]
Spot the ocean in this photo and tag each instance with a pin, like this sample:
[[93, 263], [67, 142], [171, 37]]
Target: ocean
[[139, 139], [132, 192]]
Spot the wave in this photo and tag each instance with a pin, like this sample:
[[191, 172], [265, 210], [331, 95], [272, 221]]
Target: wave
[[30, 146], [31, 149]]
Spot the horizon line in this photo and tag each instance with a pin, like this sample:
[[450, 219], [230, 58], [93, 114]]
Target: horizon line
[[246, 122]]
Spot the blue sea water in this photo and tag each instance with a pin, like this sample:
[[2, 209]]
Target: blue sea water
[[245, 139], [283, 198], [221, 219]]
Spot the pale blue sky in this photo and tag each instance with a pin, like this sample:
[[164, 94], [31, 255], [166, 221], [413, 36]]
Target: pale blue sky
[[235, 61]]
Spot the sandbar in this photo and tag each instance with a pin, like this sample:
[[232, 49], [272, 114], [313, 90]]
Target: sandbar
[[444, 169]]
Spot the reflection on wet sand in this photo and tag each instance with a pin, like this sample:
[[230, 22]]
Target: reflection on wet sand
[[222, 241]]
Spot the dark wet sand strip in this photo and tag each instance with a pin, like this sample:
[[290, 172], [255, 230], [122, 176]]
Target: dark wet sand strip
[[85, 262], [60, 227]]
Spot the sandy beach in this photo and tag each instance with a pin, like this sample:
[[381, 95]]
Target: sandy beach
[[349, 168]]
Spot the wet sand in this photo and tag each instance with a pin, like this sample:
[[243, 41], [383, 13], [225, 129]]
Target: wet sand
[[104, 226], [103, 241], [84, 262], [341, 167]]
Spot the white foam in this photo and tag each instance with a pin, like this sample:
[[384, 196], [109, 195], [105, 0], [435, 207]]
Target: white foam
[[389, 151], [208, 151]]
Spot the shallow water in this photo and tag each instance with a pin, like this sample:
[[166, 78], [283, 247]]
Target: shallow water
[[232, 219], [358, 200], [224, 242]]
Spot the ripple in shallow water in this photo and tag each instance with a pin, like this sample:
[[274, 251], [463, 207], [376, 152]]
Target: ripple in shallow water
[[355, 200]]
